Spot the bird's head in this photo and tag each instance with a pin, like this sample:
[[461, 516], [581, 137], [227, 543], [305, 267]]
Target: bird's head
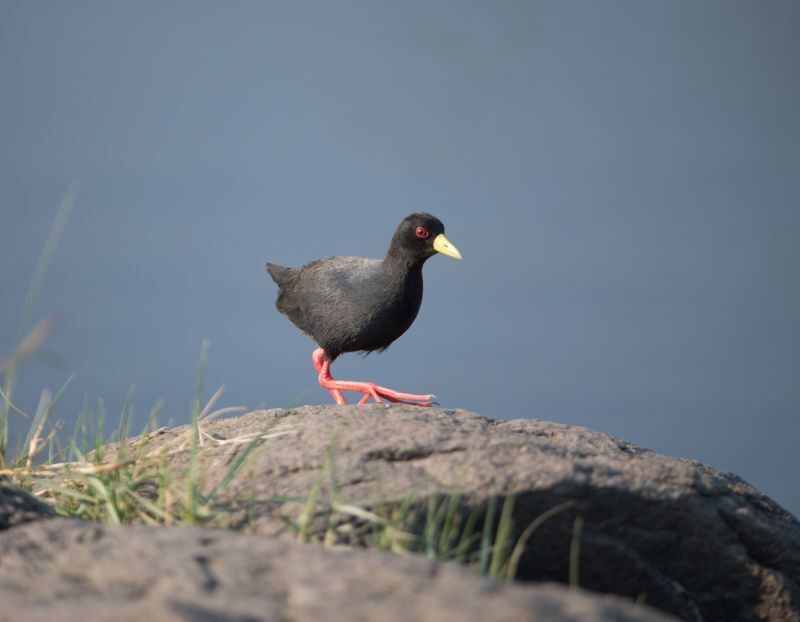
[[421, 236]]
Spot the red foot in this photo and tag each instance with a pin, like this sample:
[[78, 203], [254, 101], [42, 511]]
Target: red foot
[[369, 389]]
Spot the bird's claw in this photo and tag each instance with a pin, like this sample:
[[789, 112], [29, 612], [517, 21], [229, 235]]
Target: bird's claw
[[379, 393], [369, 389]]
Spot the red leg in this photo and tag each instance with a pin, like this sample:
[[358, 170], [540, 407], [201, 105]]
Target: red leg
[[318, 356], [369, 389]]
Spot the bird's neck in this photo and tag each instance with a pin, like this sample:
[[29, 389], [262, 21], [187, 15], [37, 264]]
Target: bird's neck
[[400, 262]]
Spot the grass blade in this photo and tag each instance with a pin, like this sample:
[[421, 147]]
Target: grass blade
[[486, 535], [502, 540], [575, 551], [48, 252], [522, 541]]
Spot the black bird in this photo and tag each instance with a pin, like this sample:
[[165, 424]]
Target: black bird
[[352, 304]]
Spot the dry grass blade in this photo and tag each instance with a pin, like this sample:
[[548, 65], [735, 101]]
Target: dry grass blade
[[245, 438], [11, 405], [49, 249], [143, 440], [81, 468], [29, 345], [211, 401], [45, 399], [228, 410], [182, 441], [522, 541], [206, 414], [359, 512], [95, 469], [38, 444]]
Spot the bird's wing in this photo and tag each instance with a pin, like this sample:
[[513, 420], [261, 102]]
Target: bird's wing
[[342, 281]]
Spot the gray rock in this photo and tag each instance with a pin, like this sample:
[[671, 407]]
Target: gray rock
[[17, 507], [67, 570], [692, 540]]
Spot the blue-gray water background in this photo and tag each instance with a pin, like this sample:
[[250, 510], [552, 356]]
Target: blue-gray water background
[[621, 177]]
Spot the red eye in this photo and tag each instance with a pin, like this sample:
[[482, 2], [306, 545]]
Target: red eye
[[422, 232]]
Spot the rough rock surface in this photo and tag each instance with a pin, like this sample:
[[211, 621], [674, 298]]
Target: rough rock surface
[[17, 507], [67, 570], [694, 541]]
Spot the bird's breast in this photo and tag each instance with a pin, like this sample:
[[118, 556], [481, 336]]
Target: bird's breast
[[391, 311]]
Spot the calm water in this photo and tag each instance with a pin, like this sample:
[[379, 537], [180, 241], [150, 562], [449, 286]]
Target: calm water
[[622, 180]]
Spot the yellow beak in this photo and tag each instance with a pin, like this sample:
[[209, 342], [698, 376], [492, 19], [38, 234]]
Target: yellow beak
[[442, 245]]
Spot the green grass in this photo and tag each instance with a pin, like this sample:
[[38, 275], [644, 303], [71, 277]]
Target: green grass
[[114, 479], [441, 527]]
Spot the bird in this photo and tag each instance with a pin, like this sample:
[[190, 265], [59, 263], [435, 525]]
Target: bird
[[359, 304]]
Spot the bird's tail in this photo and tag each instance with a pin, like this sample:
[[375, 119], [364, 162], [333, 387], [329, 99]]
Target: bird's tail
[[279, 274]]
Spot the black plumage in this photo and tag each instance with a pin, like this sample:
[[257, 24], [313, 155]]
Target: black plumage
[[349, 304]]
